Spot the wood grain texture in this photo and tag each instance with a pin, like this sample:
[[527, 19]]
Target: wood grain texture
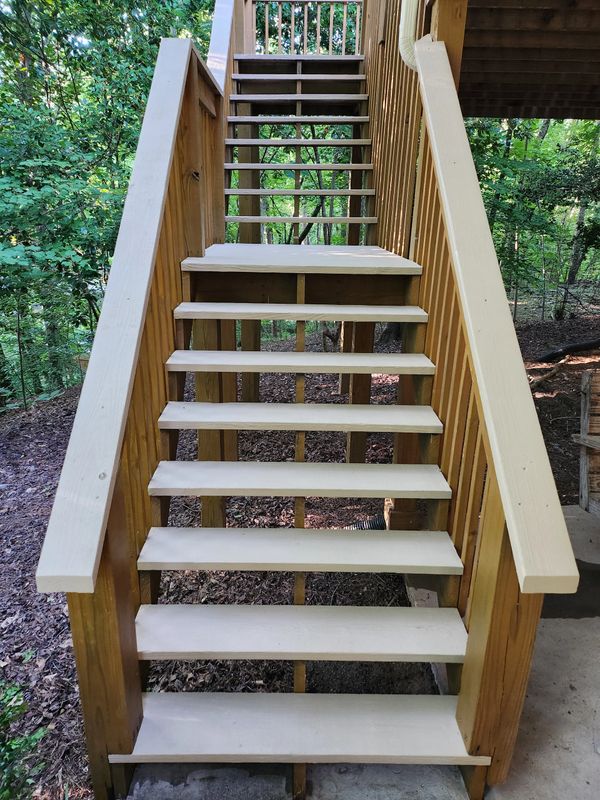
[[541, 546], [310, 728], [300, 550], [293, 632], [289, 479]]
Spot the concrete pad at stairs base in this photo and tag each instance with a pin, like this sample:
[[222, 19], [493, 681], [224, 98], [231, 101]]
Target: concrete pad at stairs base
[[210, 782], [382, 782], [272, 782], [558, 748]]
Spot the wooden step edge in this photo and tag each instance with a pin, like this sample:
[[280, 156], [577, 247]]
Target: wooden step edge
[[297, 142], [272, 166], [300, 192], [186, 727], [282, 119], [235, 220], [300, 633], [320, 57], [320, 312], [297, 362], [300, 97], [300, 550], [278, 77], [184, 415], [297, 479]]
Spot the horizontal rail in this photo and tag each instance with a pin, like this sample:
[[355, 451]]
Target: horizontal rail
[[538, 535]]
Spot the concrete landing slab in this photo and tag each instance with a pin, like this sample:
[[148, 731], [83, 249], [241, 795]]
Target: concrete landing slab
[[382, 782], [558, 748]]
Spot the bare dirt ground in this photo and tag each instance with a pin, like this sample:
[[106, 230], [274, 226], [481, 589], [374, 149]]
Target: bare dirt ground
[[35, 645]]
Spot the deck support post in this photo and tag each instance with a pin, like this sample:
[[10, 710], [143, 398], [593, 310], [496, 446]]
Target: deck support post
[[103, 630], [502, 623]]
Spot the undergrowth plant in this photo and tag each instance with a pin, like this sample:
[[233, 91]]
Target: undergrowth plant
[[16, 750]]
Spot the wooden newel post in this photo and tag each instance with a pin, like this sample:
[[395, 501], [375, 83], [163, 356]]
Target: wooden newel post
[[502, 626], [103, 630]]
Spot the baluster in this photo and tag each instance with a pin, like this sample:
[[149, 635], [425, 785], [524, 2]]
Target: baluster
[[305, 33], [331, 10], [318, 42], [344, 25], [357, 29], [279, 26], [293, 30], [266, 28]]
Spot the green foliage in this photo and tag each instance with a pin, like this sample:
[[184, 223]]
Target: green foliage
[[16, 751], [75, 77], [541, 186]]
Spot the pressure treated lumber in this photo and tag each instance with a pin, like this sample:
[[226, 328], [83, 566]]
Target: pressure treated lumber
[[322, 259], [300, 550], [301, 192], [304, 220], [299, 417], [323, 312], [310, 728], [274, 57], [297, 142], [273, 361], [540, 541], [298, 632], [297, 119], [268, 165], [275, 77], [267, 97], [300, 479]]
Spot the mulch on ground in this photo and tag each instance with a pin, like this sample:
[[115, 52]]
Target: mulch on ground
[[35, 644]]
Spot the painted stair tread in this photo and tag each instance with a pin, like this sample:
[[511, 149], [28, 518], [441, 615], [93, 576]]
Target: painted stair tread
[[323, 259], [299, 416], [300, 550], [306, 728], [299, 362], [294, 632], [297, 479], [324, 312]]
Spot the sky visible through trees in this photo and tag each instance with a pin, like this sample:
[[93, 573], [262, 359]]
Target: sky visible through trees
[[74, 78]]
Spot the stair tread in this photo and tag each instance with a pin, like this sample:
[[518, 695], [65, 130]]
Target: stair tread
[[291, 632], [294, 76], [299, 362], [327, 259], [292, 119], [306, 97], [305, 728], [301, 311], [260, 57], [233, 165], [302, 479], [297, 142], [301, 550], [299, 416], [301, 192], [290, 220]]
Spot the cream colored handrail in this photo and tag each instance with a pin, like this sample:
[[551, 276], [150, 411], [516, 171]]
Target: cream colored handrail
[[539, 539], [75, 535], [220, 41]]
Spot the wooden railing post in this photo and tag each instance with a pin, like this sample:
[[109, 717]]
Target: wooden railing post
[[502, 625], [103, 630], [448, 19]]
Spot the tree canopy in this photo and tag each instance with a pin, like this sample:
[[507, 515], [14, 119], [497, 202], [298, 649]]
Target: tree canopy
[[74, 80]]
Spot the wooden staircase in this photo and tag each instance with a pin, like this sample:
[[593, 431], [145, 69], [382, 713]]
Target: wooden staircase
[[300, 727], [281, 101], [469, 496]]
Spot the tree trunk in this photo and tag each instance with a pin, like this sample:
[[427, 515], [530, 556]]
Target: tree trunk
[[578, 254]]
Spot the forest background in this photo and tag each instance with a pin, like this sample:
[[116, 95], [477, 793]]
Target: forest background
[[74, 77]]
